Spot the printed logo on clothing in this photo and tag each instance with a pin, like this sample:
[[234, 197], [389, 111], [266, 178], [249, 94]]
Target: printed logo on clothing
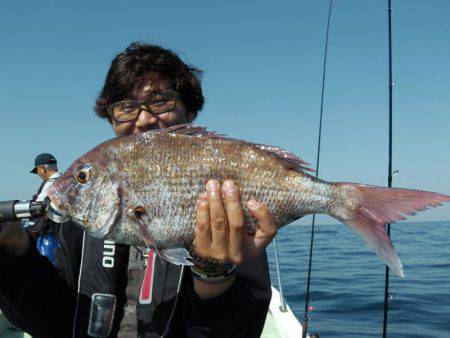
[[109, 248]]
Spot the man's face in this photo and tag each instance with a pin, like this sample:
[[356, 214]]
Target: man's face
[[147, 121], [42, 173]]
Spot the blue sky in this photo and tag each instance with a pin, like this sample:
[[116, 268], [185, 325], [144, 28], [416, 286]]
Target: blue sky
[[262, 62]]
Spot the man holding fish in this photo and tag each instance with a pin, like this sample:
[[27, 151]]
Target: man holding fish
[[98, 282], [146, 189]]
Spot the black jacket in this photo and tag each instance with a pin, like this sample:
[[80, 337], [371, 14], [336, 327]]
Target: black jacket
[[55, 302]]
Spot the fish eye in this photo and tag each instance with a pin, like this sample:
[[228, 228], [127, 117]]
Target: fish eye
[[83, 175]]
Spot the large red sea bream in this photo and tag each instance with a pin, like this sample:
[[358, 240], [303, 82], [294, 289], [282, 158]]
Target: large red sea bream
[[142, 190]]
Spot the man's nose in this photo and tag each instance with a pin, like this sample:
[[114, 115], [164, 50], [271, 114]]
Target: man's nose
[[145, 119]]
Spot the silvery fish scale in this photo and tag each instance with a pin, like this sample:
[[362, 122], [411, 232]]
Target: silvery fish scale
[[165, 173], [142, 190]]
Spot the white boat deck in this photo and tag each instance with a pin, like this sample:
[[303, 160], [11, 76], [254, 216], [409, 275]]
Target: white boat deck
[[281, 324], [7, 330]]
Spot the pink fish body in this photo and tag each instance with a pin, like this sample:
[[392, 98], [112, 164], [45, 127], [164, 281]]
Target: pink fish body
[[142, 190]]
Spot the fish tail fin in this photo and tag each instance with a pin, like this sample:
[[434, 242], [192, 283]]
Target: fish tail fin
[[367, 209]]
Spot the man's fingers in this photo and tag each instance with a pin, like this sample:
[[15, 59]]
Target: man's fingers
[[268, 227], [202, 225], [219, 225], [236, 220]]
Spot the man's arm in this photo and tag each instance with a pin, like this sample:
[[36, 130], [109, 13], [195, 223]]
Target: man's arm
[[221, 235], [238, 312], [236, 306], [32, 294], [43, 194]]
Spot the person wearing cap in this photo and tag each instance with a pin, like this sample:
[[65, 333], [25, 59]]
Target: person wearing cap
[[44, 230], [45, 166]]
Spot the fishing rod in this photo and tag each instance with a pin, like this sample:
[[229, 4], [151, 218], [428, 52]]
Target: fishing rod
[[308, 284], [14, 210], [388, 226]]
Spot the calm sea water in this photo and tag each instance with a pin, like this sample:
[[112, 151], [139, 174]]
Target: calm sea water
[[348, 280]]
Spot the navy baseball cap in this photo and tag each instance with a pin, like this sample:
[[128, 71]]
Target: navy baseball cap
[[42, 159]]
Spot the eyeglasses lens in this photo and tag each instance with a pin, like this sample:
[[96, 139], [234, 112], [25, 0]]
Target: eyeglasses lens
[[161, 103], [126, 111], [156, 104]]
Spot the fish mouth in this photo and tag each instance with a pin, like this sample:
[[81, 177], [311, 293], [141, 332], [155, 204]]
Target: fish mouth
[[54, 209], [54, 200], [55, 214]]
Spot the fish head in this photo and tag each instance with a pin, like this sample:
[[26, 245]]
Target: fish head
[[89, 194]]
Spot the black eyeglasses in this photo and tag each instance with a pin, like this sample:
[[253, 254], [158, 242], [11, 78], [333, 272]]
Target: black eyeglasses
[[157, 103]]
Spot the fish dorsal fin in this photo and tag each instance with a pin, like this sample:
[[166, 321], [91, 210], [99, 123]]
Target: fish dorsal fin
[[187, 129], [290, 160]]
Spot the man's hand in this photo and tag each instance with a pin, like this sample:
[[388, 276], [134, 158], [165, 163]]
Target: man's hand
[[14, 240], [220, 231]]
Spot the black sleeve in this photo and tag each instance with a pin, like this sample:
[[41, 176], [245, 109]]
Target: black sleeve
[[239, 312], [34, 297]]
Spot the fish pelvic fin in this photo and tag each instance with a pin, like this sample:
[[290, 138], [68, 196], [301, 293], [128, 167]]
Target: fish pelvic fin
[[177, 256], [367, 209]]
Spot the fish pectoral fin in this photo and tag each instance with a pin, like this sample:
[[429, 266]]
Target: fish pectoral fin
[[177, 256], [137, 213]]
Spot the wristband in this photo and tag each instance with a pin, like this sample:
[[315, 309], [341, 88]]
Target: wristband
[[211, 276]]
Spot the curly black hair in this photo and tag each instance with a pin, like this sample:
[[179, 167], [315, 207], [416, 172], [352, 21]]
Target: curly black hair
[[132, 68]]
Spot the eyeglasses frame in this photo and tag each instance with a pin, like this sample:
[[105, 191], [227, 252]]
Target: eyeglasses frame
[[145, 103]]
